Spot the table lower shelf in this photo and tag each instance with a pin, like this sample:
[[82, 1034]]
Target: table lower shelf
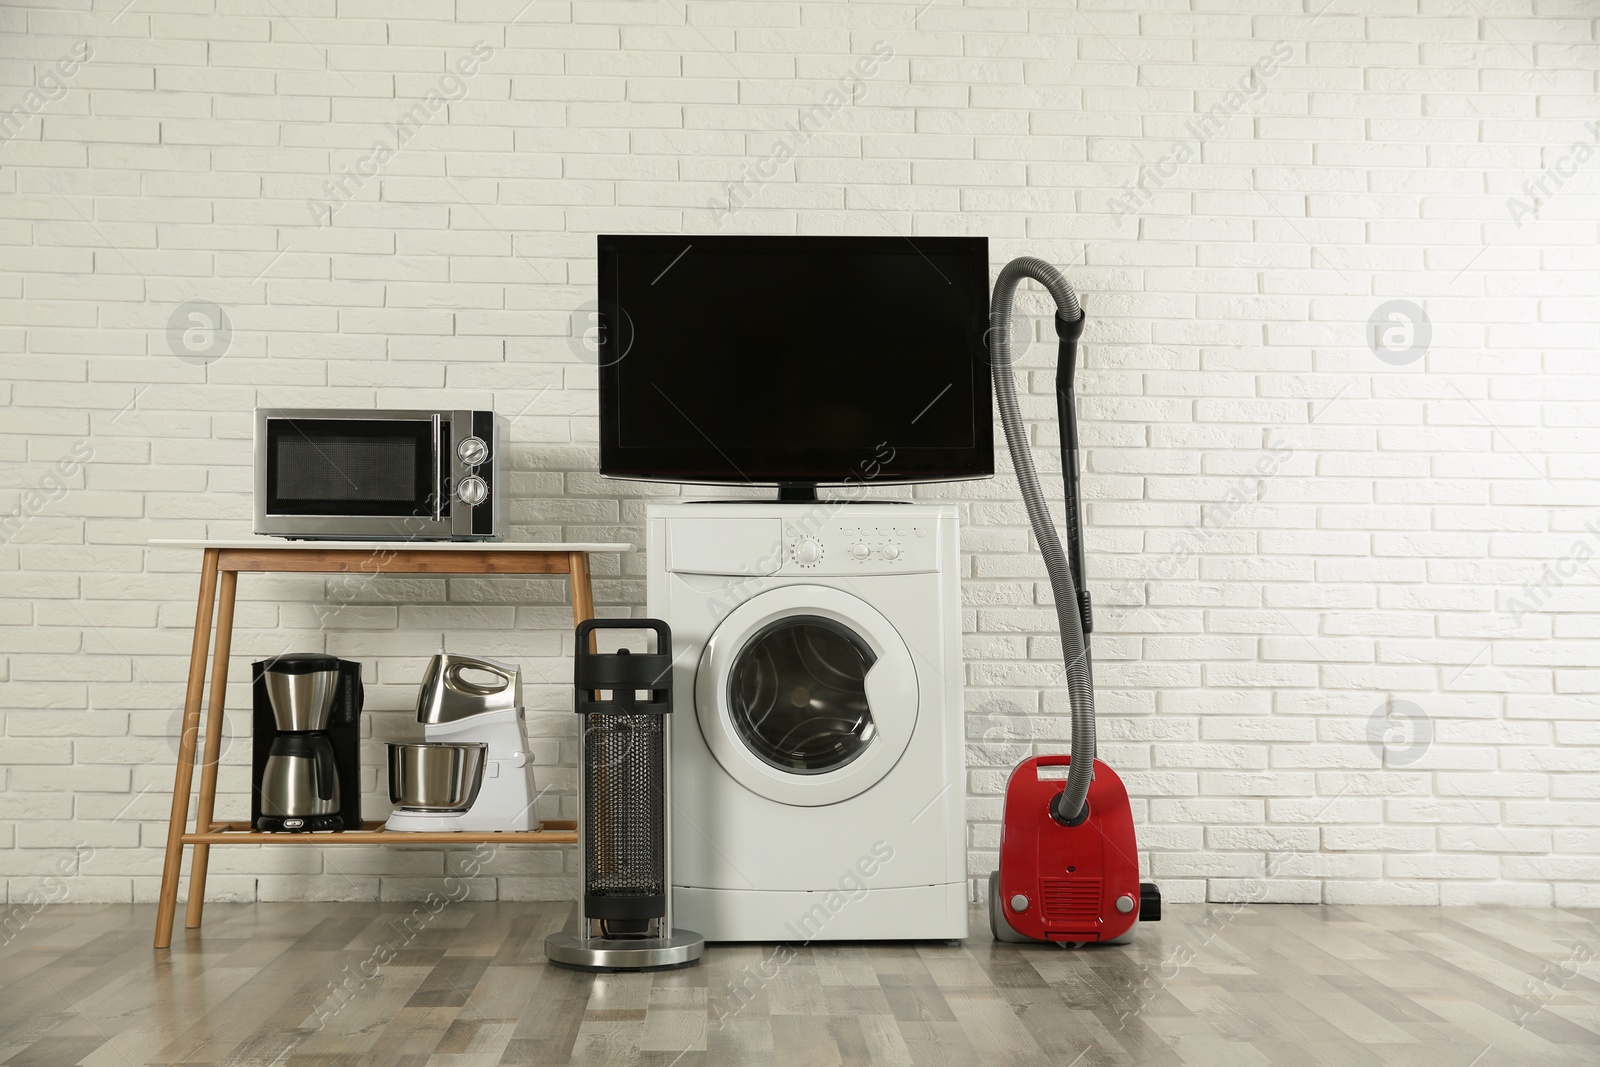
[[550, 832]]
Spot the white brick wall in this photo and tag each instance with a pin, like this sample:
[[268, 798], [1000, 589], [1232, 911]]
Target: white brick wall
[[1285, 531]]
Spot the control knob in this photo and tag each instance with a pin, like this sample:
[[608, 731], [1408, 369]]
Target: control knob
[[472, 451], [891, 551], [860, 551], [808, 552], [472, 490]]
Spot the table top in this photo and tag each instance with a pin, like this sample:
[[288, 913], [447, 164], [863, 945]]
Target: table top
[[278, 543]]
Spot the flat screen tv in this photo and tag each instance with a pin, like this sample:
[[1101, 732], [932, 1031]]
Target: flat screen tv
[[794, 361]]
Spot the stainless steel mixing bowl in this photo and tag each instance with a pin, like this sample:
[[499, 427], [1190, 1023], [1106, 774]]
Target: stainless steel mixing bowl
[[433, 776]]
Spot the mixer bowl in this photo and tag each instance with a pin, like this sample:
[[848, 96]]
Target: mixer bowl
[[433, 776]]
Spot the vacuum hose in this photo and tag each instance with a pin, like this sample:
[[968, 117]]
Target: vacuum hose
[[1071, 608]]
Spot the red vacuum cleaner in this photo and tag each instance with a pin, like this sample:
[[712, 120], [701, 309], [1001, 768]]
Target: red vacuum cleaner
[[1069, 860]]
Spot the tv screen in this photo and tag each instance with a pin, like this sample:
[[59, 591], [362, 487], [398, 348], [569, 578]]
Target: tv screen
[[794, 360]]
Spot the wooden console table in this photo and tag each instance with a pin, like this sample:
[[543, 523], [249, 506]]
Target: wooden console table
[[219, 576]]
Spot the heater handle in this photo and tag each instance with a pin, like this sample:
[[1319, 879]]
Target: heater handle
[[663, 631], [623, 673]]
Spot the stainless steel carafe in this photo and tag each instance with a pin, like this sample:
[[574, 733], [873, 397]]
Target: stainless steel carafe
[[299, 779]]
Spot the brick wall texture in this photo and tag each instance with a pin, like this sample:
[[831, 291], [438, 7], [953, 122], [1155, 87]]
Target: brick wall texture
[[1342, 271]]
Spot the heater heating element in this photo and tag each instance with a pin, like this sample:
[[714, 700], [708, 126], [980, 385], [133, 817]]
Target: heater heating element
[[624, 825]]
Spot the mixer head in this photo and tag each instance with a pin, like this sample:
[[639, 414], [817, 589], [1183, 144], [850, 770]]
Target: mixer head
[[447, 696]]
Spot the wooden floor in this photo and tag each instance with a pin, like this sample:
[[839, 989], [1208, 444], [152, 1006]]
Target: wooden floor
[[392, 984]]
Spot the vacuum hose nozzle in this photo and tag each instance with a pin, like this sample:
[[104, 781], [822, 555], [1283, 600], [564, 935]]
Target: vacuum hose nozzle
[[1074, 645]]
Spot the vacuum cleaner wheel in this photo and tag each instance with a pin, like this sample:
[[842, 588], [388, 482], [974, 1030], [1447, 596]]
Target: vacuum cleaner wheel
[[998, 926]]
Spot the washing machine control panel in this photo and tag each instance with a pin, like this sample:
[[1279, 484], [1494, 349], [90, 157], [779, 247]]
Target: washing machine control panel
[[861, 548]]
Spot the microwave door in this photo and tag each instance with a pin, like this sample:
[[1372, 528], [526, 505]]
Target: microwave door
[[383, 476]]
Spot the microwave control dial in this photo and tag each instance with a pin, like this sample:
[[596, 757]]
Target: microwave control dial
[[472, 451], [472, 490]]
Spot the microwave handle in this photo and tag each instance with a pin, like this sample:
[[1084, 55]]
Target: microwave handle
[[438, 473]]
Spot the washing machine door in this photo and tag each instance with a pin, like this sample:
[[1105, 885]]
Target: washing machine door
[[806, 695]]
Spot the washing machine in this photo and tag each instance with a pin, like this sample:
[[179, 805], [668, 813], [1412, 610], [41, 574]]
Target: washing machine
[[817, 748]]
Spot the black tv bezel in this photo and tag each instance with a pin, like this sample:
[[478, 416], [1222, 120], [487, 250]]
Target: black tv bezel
[[794, 467]]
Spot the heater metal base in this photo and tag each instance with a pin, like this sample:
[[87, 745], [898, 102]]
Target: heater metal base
[[567, 949]]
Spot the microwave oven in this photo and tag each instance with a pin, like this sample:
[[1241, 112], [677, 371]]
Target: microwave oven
[[334, 473]]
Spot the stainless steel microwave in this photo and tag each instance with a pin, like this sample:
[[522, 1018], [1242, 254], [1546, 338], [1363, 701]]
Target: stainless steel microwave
[[335, 473]]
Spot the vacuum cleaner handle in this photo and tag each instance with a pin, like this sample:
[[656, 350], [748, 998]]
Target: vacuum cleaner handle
[[1069, 330], [1058, 810]]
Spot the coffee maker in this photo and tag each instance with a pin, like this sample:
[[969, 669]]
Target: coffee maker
[[307, 737]]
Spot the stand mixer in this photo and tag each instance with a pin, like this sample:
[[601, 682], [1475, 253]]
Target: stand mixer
[[471, 772]]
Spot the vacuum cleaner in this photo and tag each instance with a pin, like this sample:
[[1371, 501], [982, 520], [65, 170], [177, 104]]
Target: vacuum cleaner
[[1069, 860]]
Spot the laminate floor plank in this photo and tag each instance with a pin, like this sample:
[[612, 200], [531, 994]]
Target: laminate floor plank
[[794, 990], [850, 1000], [991, 1025], [885, 1045], [505, 991], [466, 985], [844, 964], [736, 1040], [940, 1044], [607, 1037], [804, 1041], [675, 1020]]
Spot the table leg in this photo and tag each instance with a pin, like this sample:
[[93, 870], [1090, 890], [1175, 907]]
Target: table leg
[[207, 806], [582, 611], [166, 910], [582, 591]]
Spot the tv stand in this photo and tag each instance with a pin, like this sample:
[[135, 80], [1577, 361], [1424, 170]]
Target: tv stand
[[796, 494]]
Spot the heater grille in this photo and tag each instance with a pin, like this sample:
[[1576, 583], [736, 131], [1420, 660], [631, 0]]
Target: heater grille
[[623, 813], [1072, 900]]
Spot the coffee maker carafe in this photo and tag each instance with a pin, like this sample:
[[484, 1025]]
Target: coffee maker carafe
[[307, 734]]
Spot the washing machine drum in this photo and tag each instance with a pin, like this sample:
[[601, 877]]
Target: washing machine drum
[[806, 695]]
